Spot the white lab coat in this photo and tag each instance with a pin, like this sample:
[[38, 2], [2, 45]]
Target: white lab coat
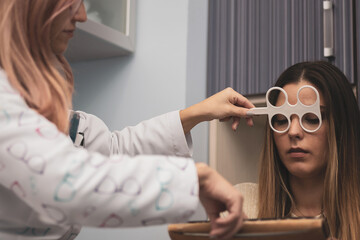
[[49, 189]]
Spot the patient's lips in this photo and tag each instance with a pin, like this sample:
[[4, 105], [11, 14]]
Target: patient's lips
[[69, 32], [297, 152]]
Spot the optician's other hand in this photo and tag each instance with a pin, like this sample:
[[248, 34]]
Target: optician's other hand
[[218, 195], [223, 105]]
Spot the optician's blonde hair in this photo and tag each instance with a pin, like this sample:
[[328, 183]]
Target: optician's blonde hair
[[341, 194], [28, 60]]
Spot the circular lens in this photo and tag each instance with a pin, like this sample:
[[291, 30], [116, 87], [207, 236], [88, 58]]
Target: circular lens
[[310, 121], [279, 122], [276, 97], [307, 96]]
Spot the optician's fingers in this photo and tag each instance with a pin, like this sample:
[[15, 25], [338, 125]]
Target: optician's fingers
[[215, 229], [225, 119], [249, 121], [222, 232], [240, 100], [228, 226], [236, 122], [239, 113]]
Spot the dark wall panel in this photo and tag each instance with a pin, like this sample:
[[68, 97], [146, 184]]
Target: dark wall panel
[[252, 41]]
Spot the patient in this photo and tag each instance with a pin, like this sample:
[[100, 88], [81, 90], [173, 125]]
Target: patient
[[313, 174]]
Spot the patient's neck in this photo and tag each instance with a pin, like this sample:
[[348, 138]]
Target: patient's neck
[[308, 195]]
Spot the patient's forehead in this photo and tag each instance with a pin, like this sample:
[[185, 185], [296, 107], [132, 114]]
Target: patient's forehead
[[306, 95]]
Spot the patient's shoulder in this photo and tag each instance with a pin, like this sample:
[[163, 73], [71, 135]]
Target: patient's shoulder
[[250, 193]]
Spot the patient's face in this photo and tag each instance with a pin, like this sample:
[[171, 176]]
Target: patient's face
[[302, 153]]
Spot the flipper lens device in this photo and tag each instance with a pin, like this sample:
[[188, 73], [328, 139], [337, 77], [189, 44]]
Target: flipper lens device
[[279, 110]]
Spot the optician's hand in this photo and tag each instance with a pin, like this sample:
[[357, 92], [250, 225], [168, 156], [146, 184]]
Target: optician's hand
[[218, 195], [223, 105]]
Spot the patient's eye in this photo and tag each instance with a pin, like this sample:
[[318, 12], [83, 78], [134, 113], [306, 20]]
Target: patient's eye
[[310, 121], [279, 122], [310, 118]]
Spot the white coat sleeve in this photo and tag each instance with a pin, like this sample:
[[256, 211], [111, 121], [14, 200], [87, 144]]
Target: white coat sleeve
[[160, 135], [70, 185]]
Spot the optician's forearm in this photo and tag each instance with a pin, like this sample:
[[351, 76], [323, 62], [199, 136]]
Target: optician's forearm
[[160, 135], [192, 116]]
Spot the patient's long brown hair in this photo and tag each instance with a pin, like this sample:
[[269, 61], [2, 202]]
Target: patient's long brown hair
[[43, 79], [341, 196]]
